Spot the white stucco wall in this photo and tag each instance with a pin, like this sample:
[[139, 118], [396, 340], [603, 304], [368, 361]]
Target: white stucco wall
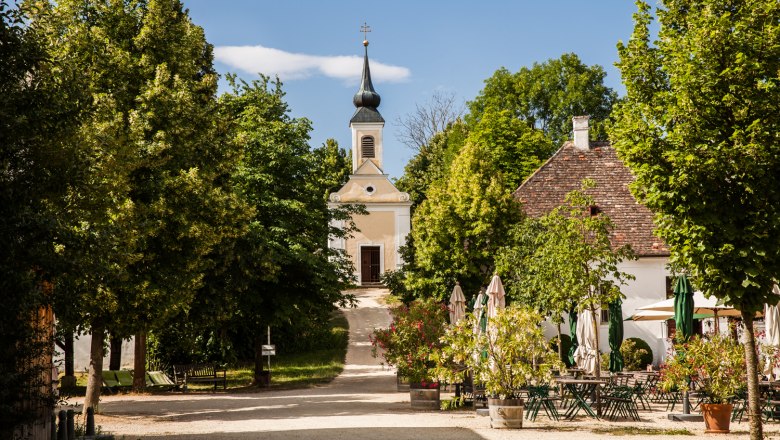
[[648, 287]]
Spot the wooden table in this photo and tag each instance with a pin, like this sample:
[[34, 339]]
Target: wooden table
[[580, 390]]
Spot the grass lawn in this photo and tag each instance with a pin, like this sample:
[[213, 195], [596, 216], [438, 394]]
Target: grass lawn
[[297, 370]]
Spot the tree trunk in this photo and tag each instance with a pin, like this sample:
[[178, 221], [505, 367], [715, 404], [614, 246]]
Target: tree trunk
[[95, 375], [258, 381], [560, 343], [139, 361], [68, 381], [595, 324], [115, 358], [754, 406]]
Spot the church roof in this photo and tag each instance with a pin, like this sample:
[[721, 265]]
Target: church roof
[[366, 99], [546, 188]]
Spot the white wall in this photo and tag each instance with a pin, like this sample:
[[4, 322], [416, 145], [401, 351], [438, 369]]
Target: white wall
[[648, 287]]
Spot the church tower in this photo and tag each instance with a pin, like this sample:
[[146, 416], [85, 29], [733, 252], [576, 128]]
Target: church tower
[[374, 249]]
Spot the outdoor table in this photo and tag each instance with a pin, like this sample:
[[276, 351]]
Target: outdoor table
[[580, 390]]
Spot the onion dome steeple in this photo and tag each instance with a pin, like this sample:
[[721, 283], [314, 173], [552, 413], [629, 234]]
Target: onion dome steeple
[[366, 99]]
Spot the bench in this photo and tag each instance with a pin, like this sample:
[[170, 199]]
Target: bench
[[199, 373]]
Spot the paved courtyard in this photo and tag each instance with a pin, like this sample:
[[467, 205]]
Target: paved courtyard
[[360, 404]]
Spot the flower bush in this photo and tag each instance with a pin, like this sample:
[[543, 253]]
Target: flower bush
[[716, 362], [414, 334], [511, 354]]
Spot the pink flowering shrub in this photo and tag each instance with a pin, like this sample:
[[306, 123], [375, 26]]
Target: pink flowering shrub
[[412, 337], [716, 363]]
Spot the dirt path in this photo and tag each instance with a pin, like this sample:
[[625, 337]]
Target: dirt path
[[359, 404]]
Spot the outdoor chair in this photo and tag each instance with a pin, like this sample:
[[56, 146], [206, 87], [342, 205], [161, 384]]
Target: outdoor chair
[[157, 380], [110, 382], [740, 404], [618, 401], [125, 378], [539, 398]]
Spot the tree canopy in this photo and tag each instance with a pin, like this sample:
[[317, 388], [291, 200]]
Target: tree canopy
[[700, 130]]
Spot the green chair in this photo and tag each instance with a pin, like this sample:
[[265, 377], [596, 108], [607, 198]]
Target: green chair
[[110, 381], [159, 381], [125, 378]]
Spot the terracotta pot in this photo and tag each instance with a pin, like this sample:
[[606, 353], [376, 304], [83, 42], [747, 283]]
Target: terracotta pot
[[506, 413], [717, 417], [424, 398]]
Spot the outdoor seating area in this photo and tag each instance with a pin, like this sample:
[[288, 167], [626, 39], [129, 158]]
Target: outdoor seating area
[[122, 380], [199, 373]]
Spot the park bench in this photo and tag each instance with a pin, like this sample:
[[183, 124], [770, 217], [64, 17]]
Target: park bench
[[199, 373]]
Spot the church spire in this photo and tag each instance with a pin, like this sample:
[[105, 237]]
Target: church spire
[[366, 99], [366, 96]]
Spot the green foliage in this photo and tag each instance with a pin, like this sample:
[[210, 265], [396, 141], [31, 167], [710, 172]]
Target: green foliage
[[547, 95], [332, 167], [510, 355], [395, 281], [565, 259], [39, 159], [699, 129], [412, 338], [717, 363], [566, 346], [459, 228], [637, 354]]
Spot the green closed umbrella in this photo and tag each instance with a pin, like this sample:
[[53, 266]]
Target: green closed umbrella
[[573, 335], [615, 335], [683, 307]]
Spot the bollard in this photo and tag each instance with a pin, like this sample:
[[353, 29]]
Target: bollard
[[62, 426], [53, 433], [90, 430], [71, 426]]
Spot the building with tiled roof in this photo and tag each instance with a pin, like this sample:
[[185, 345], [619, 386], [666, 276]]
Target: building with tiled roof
[[564, 172]]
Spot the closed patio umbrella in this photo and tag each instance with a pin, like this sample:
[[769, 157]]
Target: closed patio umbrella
[[573, 335], [683, 307], [457, 304], [496, 295], [479, 311], [586, 354], [615, 335]]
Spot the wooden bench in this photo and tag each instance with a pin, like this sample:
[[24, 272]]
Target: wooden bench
[[199, 373]]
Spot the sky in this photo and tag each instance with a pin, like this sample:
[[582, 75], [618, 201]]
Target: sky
[[416, 48]]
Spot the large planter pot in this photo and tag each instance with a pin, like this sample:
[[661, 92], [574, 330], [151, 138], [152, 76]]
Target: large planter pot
[[424, 398], [717, 417], [506, 413]]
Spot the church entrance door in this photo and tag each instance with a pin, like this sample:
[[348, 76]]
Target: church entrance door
[[369, 264]]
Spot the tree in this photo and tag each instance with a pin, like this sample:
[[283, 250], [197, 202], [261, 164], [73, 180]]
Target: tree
[[547, 95], [700, 130], [151, 204], [291, 278], [332, 167], [568, 261], [38, 160], [461, 225], [428, 119]]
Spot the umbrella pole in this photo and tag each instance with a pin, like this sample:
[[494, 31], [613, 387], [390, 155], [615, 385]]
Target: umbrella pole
[[686, 403]]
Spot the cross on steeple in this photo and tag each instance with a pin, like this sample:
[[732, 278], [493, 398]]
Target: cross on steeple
[[365, 28]]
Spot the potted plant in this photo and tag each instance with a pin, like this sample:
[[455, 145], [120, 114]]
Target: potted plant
[[414, 334], [717, 364], [508, 355]]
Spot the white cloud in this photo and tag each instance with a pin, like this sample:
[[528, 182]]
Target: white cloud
[[269, 61]]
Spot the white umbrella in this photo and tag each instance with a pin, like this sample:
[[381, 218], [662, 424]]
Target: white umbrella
[[701, 305], [586, 354], [478, 311], [457, 304], [496, 296], [651, 315], [772, 327]]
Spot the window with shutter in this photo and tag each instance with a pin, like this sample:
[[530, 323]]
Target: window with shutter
[[367, 147]]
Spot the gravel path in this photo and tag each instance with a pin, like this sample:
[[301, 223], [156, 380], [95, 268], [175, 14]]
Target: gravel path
[[359, 404]]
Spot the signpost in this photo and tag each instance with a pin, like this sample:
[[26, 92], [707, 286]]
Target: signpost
[[268, 350]]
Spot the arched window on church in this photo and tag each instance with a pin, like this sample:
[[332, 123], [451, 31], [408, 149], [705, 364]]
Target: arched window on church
[[367, 147]]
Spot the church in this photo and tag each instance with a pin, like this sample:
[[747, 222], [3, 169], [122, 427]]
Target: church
[[374, 248]]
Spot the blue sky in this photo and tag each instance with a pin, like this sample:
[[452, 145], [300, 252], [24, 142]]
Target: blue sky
[[416, 47]]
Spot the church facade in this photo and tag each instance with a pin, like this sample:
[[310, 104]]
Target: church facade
[[374, 248]]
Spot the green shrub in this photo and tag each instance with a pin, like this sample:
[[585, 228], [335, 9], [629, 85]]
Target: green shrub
[[566, 342], [636, 354]]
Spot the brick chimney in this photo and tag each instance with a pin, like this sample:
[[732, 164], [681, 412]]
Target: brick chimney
[[581, 140]]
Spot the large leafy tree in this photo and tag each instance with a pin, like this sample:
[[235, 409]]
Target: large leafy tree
[[291, 278], [700, 129], [38, 161], [547, 95], [565, 260], [460, 226], [151, 205]]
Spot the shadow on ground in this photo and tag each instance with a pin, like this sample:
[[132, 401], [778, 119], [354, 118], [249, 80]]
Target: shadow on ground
[[378, 433]]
